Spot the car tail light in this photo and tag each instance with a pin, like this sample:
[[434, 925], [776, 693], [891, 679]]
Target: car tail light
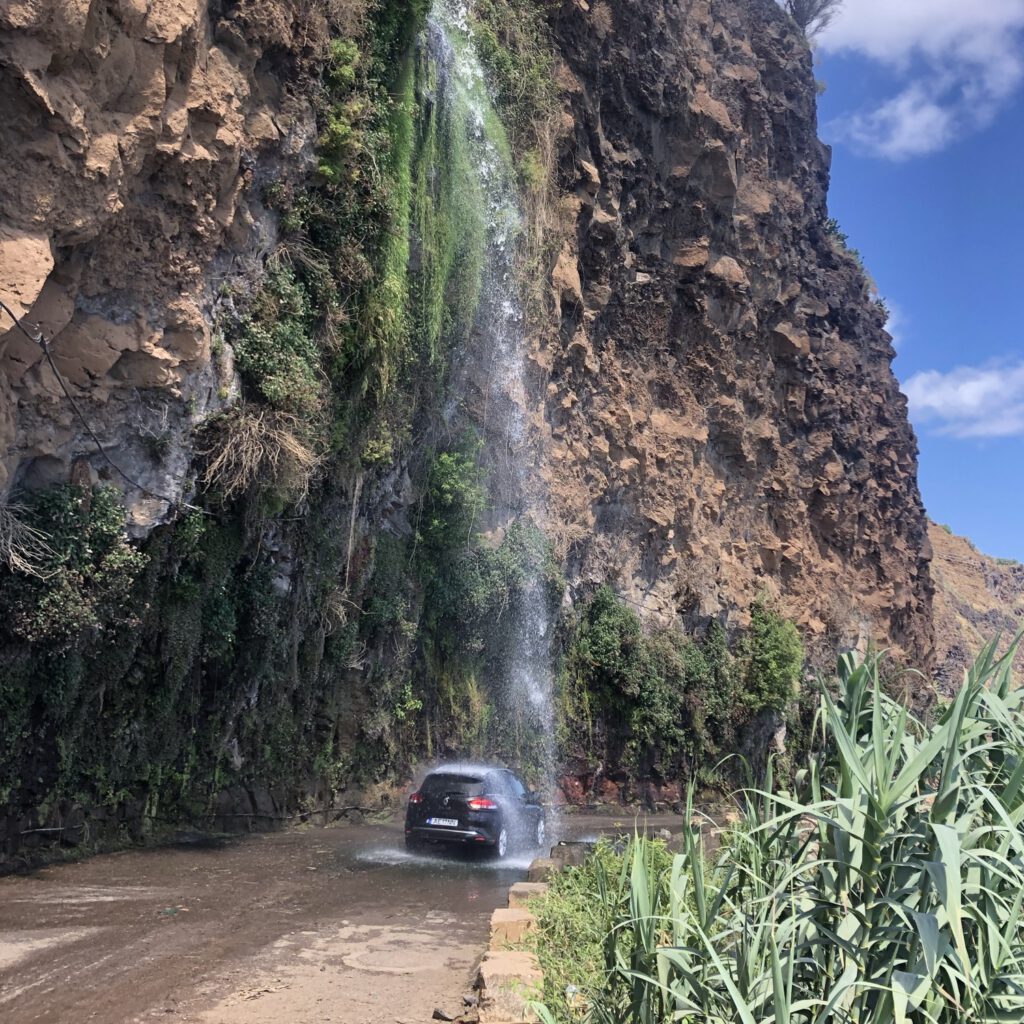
[[481, 803], [416, 798]]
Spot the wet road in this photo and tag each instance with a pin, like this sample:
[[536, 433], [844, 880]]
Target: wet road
[[319, 925]]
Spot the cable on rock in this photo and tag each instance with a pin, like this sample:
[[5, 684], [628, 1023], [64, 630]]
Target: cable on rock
[[34, 334]]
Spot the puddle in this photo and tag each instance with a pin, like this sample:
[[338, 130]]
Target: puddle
[[455, 859]]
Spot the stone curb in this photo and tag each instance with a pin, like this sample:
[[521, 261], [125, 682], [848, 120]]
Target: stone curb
[[507, 980]]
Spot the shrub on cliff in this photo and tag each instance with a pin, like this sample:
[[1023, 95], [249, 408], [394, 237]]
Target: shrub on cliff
[[813, 16], [658, 700], [772, 657], [84, 576]]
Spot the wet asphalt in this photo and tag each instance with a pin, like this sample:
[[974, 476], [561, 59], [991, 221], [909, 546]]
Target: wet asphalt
[[314, 924]]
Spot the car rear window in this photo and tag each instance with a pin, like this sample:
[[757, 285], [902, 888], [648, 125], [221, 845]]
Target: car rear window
[[450, 782]]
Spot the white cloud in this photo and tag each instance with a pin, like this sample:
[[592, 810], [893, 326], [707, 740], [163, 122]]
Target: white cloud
[[959, 60], [970, 401], [897, 324]]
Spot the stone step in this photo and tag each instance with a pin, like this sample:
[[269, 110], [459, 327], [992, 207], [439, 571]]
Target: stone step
[[542, 869], [507, 981], [509, 925], [522, 892]]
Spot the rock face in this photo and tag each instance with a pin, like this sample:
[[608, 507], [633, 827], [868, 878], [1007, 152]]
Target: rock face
[[136, 139], [715, 412], [721, 415], [976, 598]]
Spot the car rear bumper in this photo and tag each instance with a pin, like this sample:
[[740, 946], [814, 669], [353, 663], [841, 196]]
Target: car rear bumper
[[434, 834]]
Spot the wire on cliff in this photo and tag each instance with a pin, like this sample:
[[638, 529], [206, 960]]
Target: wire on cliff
[[36, 336]]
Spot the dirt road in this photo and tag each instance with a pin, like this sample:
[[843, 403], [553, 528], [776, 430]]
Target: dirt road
[[322, 925]]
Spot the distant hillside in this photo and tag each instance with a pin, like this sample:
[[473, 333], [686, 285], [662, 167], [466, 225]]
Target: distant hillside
[[976, 596]]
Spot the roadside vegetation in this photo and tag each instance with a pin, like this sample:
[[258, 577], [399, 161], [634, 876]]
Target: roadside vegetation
[[663, 704], [886, 885]]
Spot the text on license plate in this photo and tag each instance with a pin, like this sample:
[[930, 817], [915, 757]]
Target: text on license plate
[[444, 822]]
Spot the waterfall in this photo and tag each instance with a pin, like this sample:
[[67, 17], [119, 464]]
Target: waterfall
[[489, 373]]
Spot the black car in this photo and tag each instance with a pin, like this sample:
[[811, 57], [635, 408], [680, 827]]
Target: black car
[[477, 806]]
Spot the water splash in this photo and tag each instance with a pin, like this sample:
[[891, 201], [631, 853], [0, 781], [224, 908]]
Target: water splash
[[490, 374]]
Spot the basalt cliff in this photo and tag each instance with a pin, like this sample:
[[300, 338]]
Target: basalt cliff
[[253, 565], [723, 415]]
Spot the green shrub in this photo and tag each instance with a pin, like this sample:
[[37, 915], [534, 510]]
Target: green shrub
[[276, 350], [90, 568], [454, 501], [658, 700], [772, 658], [610, 649]]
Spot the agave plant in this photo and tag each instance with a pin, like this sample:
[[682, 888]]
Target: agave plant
[[889, 888]]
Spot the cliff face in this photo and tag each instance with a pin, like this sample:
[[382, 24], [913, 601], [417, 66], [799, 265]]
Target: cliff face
[[976, 598], [137, 139], [721, 410], [713, 409]]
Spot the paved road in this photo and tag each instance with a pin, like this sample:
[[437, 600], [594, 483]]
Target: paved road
[[319, 925]]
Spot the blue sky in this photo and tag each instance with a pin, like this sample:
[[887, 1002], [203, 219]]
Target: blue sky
[[925, 112]]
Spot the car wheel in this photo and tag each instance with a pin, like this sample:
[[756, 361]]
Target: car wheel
[[539, 833], [413, 845], [501, 844]]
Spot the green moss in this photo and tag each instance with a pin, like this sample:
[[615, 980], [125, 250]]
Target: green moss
[[514, 44], [450, 230], [384, 320], [276, 349]]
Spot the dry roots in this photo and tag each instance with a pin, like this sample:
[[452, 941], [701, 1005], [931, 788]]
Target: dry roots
[[258, 448], [23, 548]]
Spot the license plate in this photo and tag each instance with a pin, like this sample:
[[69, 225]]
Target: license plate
[[444, 822]]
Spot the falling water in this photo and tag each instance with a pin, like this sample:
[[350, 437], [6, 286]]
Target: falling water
[[492, 370]]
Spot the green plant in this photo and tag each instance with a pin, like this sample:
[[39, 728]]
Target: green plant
[[888, 889], [275, 348], [576, 920], [842, 242], [656, 699], [772, 658], [86, 572], [454, 501], [812, 16]]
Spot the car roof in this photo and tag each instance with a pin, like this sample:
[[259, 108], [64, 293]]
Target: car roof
[[477, 772]]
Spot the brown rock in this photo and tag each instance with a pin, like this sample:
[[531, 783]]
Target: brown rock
[[542, 869], [26, 259], [522, 892], [565, 278], [790, 342], [509, 925], [131, 135], [507, 982], [725, 268], [747, 339]]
